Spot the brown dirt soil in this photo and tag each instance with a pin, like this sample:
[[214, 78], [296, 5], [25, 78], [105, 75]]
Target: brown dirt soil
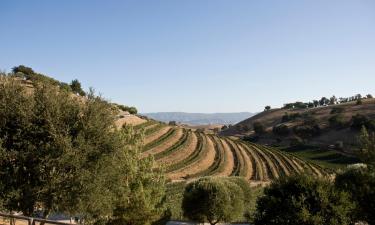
[[182, 153], [247, 161], [165, 145], [156, 135], [202, 164], [269, 163], [229, 161], [259, 169], [279, 163], [263, 170], [321, 114], [130, 120]]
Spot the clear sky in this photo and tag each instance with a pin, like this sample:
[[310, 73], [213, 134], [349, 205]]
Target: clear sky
[[196, 55]]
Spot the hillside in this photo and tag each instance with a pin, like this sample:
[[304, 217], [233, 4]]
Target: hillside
[[200, 118], [187, 154], [323, 126]]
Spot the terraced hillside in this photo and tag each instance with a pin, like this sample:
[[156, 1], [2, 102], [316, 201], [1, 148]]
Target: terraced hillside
[[187, 154]]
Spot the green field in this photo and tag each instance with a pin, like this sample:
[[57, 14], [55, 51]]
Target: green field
[[330, 159]]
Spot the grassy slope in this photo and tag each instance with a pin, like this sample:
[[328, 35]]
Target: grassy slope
[[326, 158], [321, 153]]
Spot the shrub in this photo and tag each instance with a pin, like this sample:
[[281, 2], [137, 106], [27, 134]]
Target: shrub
[[358, 121], [259, 128], [359, 102], [337, 110], [337, 121], [213, 200], [360, 184], [303, 200], [367, 147], [306, 131], [289, 117], [281, 130], [75, 85]]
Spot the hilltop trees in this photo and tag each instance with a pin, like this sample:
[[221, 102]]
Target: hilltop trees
[[303, 200], [75, 85], [213, 200], [267, 108], [66, 155]]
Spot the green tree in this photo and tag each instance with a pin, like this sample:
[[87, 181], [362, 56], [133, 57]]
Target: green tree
[[281, 130], [66, 155], [303, 200], [367, 147], [76, 87], [360, 184], [27, 72], [267, 108], [213, 200]]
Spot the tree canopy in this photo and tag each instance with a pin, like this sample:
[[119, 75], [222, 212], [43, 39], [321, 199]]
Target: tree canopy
[[214, 200], [64, 154], [303, 200]]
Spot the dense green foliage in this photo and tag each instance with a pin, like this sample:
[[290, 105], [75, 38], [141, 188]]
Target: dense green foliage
[[213, 200], [360, 183], [337, 121], [303, 200], [367, 147], [28, 73], [130, 109], [324, 101], [358, 121], [76, 87], [281, 130], [258, 127], [65, 154]]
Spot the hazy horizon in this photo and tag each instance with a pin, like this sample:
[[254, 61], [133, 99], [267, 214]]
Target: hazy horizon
[[197, 56]]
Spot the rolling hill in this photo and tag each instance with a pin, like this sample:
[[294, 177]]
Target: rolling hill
[[188, 154], [323, 126]]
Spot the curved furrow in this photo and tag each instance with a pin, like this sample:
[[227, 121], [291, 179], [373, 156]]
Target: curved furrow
[[271, 168], [237, 158], [156, 135], [166, 144], [289, 161], [240, 166], [198, 153], [145, 124], [162, 139], [201, 164], [218, 161], [259, 167], [183, 153], [228, 165], [153, 129], [248, 169], [277, 161], [181, 143]]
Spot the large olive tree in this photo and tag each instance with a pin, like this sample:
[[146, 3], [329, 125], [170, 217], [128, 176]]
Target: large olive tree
[[213, 200], [303, 200], [63, 153]]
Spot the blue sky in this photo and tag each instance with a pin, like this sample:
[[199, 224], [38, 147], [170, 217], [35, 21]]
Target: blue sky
[[196, 55]]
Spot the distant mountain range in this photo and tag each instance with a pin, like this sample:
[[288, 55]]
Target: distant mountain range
[[200, 118]]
